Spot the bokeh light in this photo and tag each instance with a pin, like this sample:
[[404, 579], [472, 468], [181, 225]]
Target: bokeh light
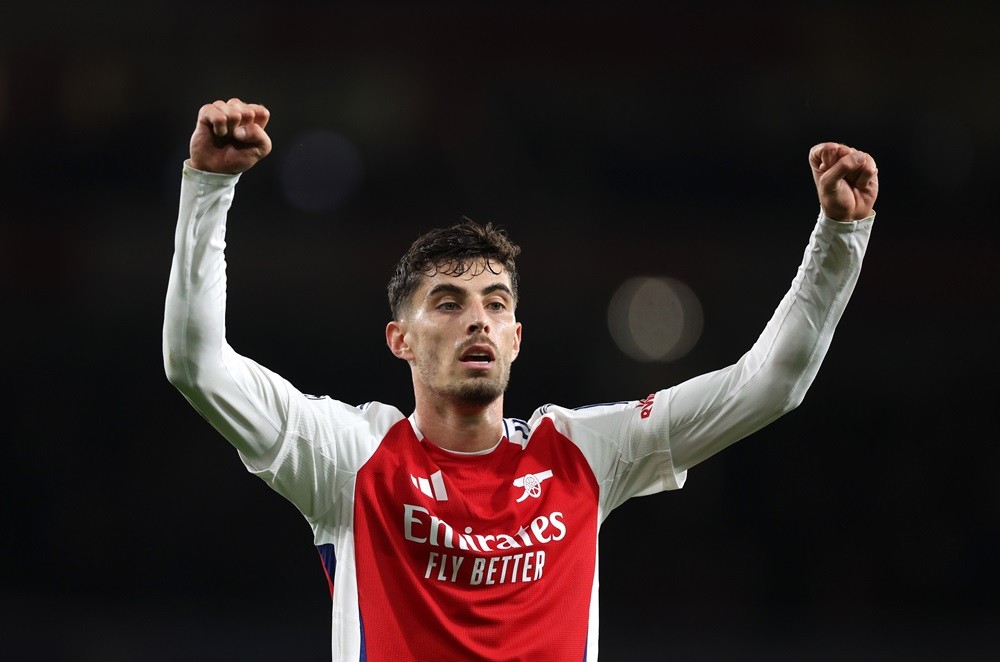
[[655, 319], [320, 171]]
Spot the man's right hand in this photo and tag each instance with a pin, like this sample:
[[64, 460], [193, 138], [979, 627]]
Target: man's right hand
[[229, 137]]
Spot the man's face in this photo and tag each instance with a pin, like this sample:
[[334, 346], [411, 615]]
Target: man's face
[[460, 335]]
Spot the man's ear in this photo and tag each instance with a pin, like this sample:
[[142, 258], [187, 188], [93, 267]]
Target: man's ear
[[517, 341], [395, 338]]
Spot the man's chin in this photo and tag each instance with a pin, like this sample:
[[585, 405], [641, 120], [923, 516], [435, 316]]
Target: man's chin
[[479, 392]]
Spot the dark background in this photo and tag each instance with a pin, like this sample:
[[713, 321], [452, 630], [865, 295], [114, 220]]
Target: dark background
[[611, 141]]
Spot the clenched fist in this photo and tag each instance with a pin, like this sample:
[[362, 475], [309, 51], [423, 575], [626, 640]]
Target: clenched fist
[[230, 137], [846, 181]]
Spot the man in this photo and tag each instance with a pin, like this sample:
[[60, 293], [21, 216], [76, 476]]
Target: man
[[455, 533]]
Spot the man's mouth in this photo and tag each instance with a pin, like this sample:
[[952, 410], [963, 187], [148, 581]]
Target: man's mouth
[[478, 354]]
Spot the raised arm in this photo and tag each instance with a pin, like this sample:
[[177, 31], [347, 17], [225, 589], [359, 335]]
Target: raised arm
[[707, 413], [241, 399]]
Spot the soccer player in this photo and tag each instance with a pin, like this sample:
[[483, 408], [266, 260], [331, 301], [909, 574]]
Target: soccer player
[[451, 532]]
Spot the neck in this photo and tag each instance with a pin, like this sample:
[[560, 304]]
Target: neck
[[459, 426]]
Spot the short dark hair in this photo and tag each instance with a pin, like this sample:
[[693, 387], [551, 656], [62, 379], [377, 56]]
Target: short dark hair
[[452, 251]]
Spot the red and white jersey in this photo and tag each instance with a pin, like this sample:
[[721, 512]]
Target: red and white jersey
[[437, 555]]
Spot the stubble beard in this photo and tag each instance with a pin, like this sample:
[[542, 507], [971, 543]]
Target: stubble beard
[[476, 391], [479, 392]]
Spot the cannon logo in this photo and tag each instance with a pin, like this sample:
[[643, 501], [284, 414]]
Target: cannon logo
[[532, 484]]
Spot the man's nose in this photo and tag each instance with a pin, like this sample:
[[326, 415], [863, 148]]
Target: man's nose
[[479, 321]]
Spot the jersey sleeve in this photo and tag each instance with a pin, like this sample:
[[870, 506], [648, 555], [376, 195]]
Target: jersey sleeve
[[704, 415], [304, 447], [646, 446], [628, 457]]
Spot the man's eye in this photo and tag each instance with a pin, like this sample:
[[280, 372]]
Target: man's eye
[[497, 306], [448, 305]]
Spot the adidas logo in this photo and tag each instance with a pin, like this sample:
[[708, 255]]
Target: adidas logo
[[433, 487]]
